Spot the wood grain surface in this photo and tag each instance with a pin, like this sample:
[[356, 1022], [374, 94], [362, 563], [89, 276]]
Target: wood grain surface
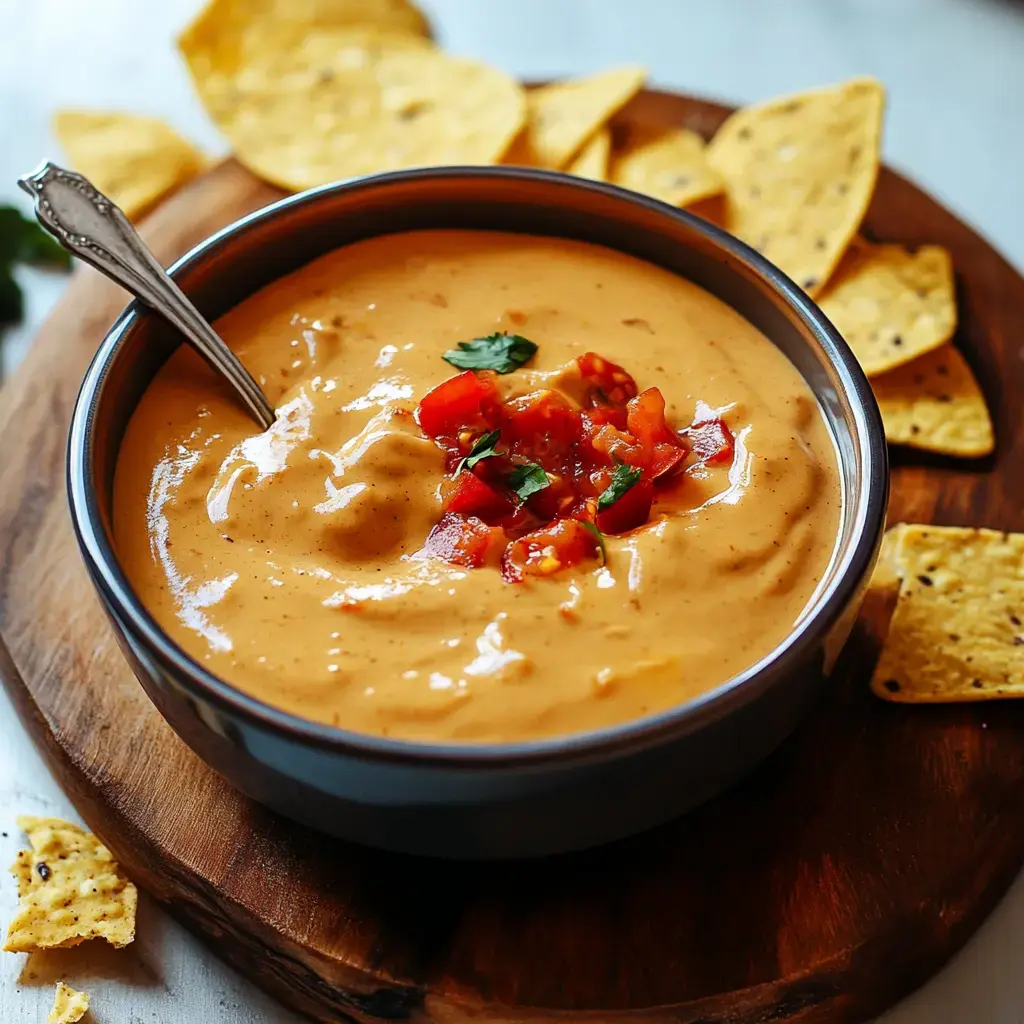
[[836, 878]]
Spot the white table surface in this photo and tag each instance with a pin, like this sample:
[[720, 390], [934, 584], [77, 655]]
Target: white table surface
[[955, 71]]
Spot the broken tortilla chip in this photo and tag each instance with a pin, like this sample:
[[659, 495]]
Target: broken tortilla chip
[[592, 159], [892, 305], [343, 103], [958, 630], [935, 403], [668, 165], [69, 1006], [133, 160], [561, 117], [799, 173], [69, 889]]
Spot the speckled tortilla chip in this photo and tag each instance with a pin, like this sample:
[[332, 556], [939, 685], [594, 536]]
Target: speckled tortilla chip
[[892, 305], [799, 173], [134, 160], [228, 27], [69, 1006], [592, 159], [69, 889], [336, 103], [668, 165], [562, 116], [935, 403], [957, 632]]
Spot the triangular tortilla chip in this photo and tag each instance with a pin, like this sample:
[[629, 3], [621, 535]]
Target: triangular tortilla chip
[[561, 117], [669, 165], [799, 173], [935, 403], [134, 160], [958, 630], [592, 159], [892, 305]]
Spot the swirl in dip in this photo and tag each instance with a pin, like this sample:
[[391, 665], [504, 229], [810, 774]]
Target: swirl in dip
[[334, 567]]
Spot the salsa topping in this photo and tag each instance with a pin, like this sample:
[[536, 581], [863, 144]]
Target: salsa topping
[[572, 467], [503, 353]]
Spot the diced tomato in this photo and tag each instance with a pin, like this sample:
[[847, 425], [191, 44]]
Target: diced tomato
[[712, 441], [467, 401], [667, 459], [631, 510], [606, 443], [645, 418], [557, 546], [471, 496], [465, 541], [606, 382], [541, 422]]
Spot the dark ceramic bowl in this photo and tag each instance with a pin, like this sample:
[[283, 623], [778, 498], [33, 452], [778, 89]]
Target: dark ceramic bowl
[[508, 800]]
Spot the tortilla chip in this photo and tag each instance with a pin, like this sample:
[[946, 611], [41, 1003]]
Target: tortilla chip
[[592, 159], [935, 403], [69, 1006], [799, 172], [892, 305], [342, 103], [668, 165], [224, 30], [957, 632], [561, 117], [70, 889], [134, 160]]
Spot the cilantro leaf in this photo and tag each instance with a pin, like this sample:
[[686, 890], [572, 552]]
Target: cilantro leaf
[[502, 352], [623, 478], [527, 479], [10, 298], [485, 448], [599, 537]]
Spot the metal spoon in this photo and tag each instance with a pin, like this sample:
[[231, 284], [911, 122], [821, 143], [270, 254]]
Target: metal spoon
[[89, 225]]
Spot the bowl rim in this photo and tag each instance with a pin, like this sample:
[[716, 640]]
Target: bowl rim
[[820, 615]]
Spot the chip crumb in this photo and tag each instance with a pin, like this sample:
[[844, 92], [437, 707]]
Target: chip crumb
[[670, 165], [956, 633], [935, 404], [134, 160], [892, 305], [81, 895], [68, 1005], [799, 173]]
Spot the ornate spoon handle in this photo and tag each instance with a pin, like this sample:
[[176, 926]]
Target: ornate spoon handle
[[89, 225]]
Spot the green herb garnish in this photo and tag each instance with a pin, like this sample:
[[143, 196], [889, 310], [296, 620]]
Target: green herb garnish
[[599, 537], [485, 448], [623, 478], [528, 479], [502, 352], [22, 241]]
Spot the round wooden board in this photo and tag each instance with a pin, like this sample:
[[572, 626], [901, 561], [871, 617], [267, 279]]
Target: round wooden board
[[838, 877]]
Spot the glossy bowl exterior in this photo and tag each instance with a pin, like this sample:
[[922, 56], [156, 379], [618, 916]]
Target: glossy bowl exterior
[[508, 800]]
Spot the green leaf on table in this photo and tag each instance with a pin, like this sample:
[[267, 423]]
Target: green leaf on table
[[11, 304], [502, 352], [22, 240]]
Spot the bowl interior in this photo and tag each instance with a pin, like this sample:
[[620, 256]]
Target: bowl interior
[[244, 257]]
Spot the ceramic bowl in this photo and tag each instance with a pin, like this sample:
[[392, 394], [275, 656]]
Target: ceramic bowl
[[505, 800]]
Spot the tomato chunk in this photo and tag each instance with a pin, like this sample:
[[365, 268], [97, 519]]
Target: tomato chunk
[[541, 422], [645, 419], [471, 496], [606, 382], [631, 510], [712, 441], [465, 541], [561, 544], [459, 403]]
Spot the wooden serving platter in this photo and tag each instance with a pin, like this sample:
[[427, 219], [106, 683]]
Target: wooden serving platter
[[838, 877]]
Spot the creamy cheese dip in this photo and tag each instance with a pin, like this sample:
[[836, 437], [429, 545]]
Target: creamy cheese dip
[[283, 561]]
